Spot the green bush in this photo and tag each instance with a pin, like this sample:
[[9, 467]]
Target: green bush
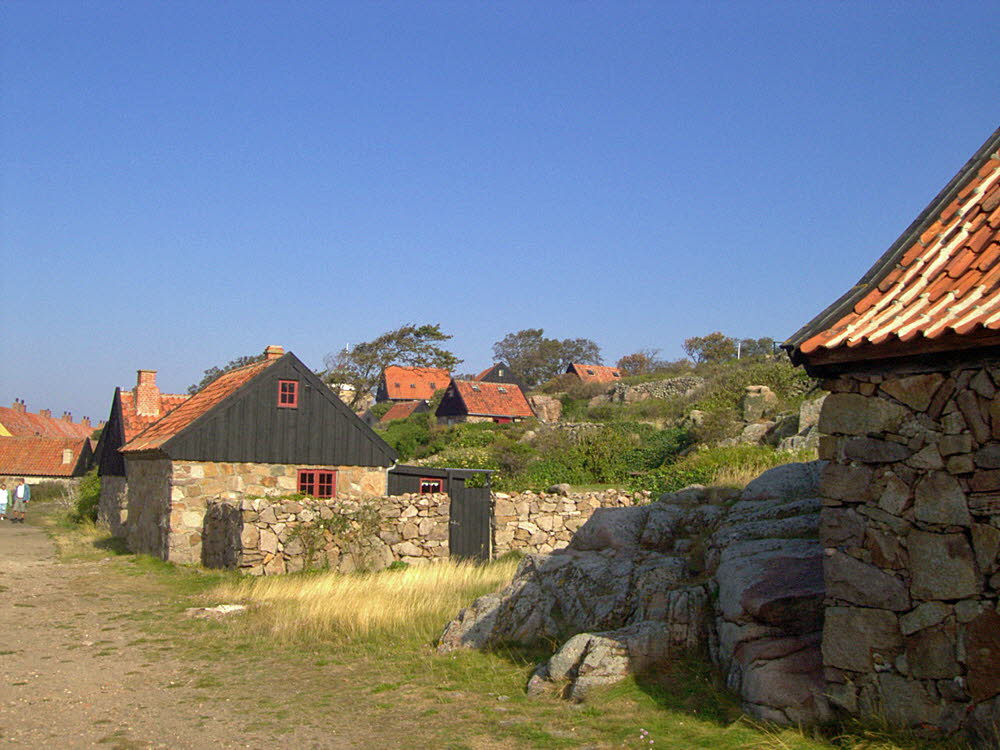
[[705, 466], [89, 497]]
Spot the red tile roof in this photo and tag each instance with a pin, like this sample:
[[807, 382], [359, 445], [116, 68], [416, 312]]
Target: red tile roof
[[26, 424], [484, 373], [136, 423], [401, 410], [493, 399], [595, 373], [187, 412], [414, 383], [941, 279], [40, 456]]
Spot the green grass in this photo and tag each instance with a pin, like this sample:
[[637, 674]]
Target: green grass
[[385, 680]]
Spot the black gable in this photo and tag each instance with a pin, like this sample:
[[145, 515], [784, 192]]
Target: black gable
[[250, 426], [110, 461]]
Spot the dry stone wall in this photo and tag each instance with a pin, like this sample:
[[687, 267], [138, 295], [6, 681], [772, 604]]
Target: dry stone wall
[[112, 507], [167, 500], [542, 522], [911, 534], [265, 536]]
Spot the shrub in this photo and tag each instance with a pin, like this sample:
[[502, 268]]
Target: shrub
[[709, 465], [88, 497]]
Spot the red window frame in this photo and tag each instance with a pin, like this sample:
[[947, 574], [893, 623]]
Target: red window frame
[[431, 484], [288, 394], [317, 482]]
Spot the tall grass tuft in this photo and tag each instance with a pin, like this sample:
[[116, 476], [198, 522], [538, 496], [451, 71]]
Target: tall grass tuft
[[412, 603]]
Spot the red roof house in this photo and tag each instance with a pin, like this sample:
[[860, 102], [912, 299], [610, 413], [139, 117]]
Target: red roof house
[[479, 401], [594, 373], [16, 420], [266, 429], [402, 410], [40, 458], [411, 383]]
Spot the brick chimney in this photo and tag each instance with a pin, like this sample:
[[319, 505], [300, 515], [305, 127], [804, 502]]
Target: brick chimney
[[147, 394], [67, 417], [85, 422], [274, 352], [18, 406], [47, 413]]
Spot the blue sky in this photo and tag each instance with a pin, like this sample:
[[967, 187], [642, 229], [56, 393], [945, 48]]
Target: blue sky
[[183, 183]]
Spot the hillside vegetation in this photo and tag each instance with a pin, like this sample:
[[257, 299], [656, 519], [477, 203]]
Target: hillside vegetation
[[660, 444]]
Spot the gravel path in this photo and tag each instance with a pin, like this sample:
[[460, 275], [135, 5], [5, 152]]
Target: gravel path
[[76, 672]]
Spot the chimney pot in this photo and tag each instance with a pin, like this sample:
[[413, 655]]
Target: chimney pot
[[274, 352], [47, 413], [67, 417], [85, 422]]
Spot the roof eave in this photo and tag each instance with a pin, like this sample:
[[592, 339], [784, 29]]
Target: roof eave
[[834, 312]]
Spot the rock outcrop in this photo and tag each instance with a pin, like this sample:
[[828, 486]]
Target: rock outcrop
[[733, 576]]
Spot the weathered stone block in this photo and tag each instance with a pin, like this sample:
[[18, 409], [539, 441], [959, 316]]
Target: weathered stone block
[[986, 545], [939, 499], [968, 404], [930, 652], [853, 414], [926, 615], [927, 458], [852, 635], [841, 527], [856, 582], [895, 498], [885, 549], [982, 639], [942, 566], [873, 450], [843, 482], [915, 391]]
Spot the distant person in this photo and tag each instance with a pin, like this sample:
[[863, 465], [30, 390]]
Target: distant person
[[4, 497], [22, 494]]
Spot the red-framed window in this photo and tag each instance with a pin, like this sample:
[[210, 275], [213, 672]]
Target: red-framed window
[[288, 394], [428, 485], [502, 420], [318, 483]]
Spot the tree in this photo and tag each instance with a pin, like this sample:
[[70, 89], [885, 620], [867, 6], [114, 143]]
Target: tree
[[715, 347], [361, 366], [640, 362], [762, 347], [213, 372], [535, 359]]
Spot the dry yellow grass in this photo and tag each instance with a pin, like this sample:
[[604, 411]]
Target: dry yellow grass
[[413, 602]]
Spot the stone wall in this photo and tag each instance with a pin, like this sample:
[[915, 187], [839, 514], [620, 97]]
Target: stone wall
[[911, 533], [261, 536], [112, 508], [542, 522], [148, 505], [167, 500], [682, 386]]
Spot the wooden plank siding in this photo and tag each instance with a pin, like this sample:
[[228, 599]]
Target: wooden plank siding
[[111, 463], [249, 426]]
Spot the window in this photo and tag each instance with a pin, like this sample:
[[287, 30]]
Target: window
[[501, 389], [590, 372], [317, 483], [288, 394], [616, 374], [428, 486], [502, 420]]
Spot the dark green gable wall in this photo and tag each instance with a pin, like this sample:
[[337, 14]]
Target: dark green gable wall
[[249, 426]]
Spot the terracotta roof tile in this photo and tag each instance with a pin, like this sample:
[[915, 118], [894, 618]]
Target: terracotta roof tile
[[187, 412], [595, 373], [40, 456], [414, 383], [484, 399], [136, 423], [946, 282], [400, 410], [26, 424]]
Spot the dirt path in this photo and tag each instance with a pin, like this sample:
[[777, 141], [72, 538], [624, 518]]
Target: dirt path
[[76, 670]]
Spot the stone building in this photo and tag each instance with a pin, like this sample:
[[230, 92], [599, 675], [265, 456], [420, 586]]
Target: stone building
[[911, 429], [132, 411], [268, 429]]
